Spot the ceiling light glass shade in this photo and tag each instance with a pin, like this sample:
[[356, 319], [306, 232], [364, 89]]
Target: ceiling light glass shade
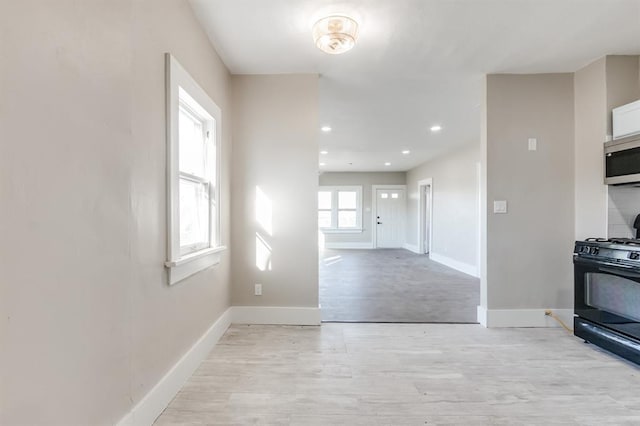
[[335, 34]]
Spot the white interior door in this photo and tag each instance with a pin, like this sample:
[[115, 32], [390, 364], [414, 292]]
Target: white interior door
[[390, 207]]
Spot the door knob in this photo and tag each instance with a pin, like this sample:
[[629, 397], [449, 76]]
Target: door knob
[[379, 223]]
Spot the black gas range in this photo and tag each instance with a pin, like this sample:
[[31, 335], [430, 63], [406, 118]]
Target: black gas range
[[607, 294]]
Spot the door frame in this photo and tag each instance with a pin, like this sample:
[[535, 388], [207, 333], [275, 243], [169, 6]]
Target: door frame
[[374, 211], [421, 214]]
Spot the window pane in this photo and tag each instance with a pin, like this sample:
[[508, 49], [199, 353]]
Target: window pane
[[347, 219], [324, 219], [347, 200], [194, 213], [191, 144], [394, 195], [324, 200], [384, 195]]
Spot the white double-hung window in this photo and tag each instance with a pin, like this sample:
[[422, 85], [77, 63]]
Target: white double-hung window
[[340, 208], [193, 175]]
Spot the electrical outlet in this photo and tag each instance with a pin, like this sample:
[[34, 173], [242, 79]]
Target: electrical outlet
[[258, 290]]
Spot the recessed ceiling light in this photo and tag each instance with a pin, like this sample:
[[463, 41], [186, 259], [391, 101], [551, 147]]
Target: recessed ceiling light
[[323, 164], [325, 129], [387, 164], [436, 128], [406, 151], [324, 152]]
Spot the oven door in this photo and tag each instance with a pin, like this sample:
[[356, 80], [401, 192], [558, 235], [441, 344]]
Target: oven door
[[608, 294]]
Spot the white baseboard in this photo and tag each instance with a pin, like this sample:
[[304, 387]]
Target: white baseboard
[[365, 245], [455, 264], [275, 315], [412, 247], [495, 318], [153, 403]]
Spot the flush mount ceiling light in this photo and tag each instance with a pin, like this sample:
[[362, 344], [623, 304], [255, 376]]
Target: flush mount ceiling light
[[324, 152], [406, 151], [436, 128], [325, 129], [335, 34], [387, 164]]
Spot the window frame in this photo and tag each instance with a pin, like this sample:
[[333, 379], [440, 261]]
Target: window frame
[[335, 209], [181, 88]]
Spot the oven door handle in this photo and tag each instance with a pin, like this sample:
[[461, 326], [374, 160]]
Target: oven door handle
[[620, 272]]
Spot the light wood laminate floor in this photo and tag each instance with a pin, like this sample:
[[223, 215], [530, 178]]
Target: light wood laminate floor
[[406, 374], [394, 285]]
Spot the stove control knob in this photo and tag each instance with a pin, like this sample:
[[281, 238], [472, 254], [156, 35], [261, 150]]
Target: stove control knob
[[634, 255], [595, 250]]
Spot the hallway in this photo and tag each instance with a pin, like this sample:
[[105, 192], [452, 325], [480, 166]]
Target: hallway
[[394, 285]]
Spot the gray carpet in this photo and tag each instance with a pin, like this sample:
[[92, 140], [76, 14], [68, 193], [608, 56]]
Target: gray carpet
[[394, 285]]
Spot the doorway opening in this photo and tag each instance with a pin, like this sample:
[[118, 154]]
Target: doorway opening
[[371, 267]]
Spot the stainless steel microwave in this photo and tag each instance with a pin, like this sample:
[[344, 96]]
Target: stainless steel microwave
[[622, 161]]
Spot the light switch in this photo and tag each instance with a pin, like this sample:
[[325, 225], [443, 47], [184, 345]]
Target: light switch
[[500, 206], [533, 144]]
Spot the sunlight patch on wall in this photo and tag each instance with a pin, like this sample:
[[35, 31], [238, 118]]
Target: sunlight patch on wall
[[263, 254], [264, 211]]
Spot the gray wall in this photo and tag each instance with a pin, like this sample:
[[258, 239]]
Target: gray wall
[[529, 249], [622, 82], [275, 148], [455, 204], [89, 324], [590, 126], [366, 180]]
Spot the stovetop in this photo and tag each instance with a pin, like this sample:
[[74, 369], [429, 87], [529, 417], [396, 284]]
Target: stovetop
[[623, 241], [617, 250]]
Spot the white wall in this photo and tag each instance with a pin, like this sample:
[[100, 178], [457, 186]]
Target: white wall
[[529, 249], [276, 149], [624, 206], [455, 205], [366, 181], [89, 324]]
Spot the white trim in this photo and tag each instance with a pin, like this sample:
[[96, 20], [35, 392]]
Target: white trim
[[158, 398], [412, 248], [479, 217], [180, 85], [355, 245], [496, 318], [482, 315], [425, 182], [192, 264], [455, 264], [374, 210], [275, 315], [341, 231], [193, 256]]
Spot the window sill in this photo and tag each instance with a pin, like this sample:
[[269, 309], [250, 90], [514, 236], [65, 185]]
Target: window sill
[[342, 231], [193, 263]]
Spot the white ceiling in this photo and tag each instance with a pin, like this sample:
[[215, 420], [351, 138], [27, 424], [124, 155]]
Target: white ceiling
[[416, 62]]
